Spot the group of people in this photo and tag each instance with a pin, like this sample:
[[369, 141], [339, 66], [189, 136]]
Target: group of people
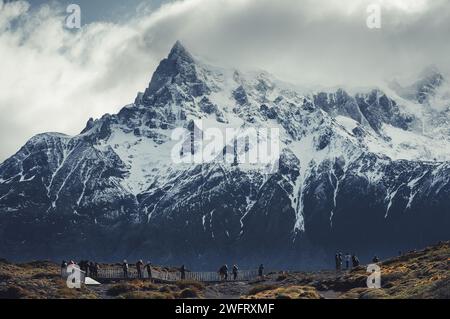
[[351, 261], [90, 268], [223, 272], [140, 267]]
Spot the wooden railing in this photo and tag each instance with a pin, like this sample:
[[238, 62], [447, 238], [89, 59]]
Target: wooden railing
[[243, 275], [167, 276]]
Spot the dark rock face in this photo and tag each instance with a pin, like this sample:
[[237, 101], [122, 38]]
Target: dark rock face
[[339, 103], [374, 108], [270, 113], [429, 82], [113, 192], [175, 79], [427, 87], [240, 96]]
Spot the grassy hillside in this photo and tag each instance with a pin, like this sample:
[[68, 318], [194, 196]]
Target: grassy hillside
[[418, 274]]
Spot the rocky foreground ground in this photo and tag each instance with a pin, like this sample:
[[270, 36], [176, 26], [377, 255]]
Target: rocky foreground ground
[[418, 274]]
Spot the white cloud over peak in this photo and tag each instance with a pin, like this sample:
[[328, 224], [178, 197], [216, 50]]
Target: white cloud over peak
[[54, 79]]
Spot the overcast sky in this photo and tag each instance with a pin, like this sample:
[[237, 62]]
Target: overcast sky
[[54, 79]]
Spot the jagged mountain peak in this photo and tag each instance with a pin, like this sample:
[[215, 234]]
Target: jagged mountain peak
[[428, 82], [342, 153], [175, 77], [431, 72], [179, 51]]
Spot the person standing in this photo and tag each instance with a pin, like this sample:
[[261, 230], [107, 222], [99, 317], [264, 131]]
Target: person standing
[[91, 268], [96, 269], [225, 271], [336, 260], [348, 258], [63, 268], [139, 266], [261, 270], [221, 273], [84, 266], [125, 269], [148, 267], [355, 261], [235, 272], [183, 272]]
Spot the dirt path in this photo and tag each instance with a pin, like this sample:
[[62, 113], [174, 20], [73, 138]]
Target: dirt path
[[229, 290]]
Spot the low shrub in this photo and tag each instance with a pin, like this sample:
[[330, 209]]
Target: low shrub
[[13, 292], [146, 295], [189, 293], [260, 288], [183, 284], [5, 276], [120, 289], [282, 277]]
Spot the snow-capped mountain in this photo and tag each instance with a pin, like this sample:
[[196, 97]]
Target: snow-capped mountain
[[366, 171]]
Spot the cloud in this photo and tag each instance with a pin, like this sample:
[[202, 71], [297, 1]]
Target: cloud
[[54, 79]]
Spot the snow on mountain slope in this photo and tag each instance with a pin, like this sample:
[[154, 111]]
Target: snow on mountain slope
[[345, 159]]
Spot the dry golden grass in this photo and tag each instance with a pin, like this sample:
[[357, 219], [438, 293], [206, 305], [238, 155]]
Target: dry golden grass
[[37, 280], [261, 288], [183, 284], [146, 295], [139, 289], [290, 292], [190, 293], [423, 274]]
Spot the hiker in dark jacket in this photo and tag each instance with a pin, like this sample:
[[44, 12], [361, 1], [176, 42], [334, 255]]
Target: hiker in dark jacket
[[148, 267], [63, 268], [355, 261], [235, 272], [139, 266], [96, 269], [87, 268], [91, 269], [125, 269], [347, 261], [336, 260], [223, 272], [261, 270], [183, 272], [83, 266]]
